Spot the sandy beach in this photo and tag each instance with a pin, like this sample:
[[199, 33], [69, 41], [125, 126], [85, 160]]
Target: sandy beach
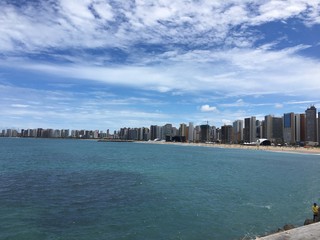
[[285, 149]]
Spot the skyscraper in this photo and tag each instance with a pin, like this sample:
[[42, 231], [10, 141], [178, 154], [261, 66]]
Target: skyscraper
[[183, 130], [190, 134], [268, 126], [311, 124], [289, 128], [253, 129], [238, 131], [196, 134], [153, 132], [277, 130], [250, 130], [302, 127], [297, 128], [204, 133], [167, 132], [246, 130], [226, 134], [318, 127]]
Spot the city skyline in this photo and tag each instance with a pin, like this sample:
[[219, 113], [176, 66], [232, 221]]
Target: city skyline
[[97, 64], [289, 129]]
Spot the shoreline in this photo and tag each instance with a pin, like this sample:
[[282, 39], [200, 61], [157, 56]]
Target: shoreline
[[283, 149]]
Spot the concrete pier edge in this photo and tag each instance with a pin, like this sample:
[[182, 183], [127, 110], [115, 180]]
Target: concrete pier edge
[[307, 232]]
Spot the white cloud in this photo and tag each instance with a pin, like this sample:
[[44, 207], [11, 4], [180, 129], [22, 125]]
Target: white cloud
[[96, 23], [207, 108], [104, 10], [19, 105], [216, 60], [287, 74], [234, 72], [278, 10], [303, 102], [227, 121], [278, 105], [53, 109]]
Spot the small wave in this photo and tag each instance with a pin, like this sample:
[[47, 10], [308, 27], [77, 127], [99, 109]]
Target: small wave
[[259, 206]]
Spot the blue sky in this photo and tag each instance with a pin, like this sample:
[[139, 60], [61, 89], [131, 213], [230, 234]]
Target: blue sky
[[106, 64]]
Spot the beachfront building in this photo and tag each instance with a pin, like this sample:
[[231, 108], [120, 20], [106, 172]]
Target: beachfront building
[[302, 127], [226, 134], [183, 130], [11, 133], [65, 133], [123, 133], [246, 130], [218, 134], [259, 129], [250, 130], [132, 134], [174, 132], [277, 130], [196, 134], [289, 128], [143, 134], [297, 128], [213, 134], [318, 127], [272, 129], [267, 127], [190, 132], [95, 133], [167, 132], [237, 131], [204, 133], [74, 133], [253, 129], [154, 132], [311, 124], [28, 133]]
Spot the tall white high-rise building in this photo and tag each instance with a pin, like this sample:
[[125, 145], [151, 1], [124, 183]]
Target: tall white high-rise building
[[190, 133], [297, 128], [268, 126]]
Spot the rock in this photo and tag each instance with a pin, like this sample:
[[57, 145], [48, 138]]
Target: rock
[[308, 221], [288, 227]]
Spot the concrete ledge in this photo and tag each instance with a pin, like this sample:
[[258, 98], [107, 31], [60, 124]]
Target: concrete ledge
[[307, 232]]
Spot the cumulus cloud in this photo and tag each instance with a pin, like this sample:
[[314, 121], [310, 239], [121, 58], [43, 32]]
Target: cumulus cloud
[[207, 108]]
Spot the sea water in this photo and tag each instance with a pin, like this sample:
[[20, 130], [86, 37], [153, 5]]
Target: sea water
[[77, 189]]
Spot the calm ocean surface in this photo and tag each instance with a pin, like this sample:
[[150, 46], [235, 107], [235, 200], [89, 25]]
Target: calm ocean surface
[[74, 189]]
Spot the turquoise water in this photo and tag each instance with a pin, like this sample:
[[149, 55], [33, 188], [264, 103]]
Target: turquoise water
[[73, 189]]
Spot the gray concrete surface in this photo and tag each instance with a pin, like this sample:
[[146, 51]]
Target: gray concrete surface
[[308, 232]]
